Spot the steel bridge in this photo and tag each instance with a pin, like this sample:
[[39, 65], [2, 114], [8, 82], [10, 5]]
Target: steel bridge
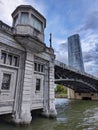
[[80, 82]]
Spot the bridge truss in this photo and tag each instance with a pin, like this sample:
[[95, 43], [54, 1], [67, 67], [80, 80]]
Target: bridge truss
[[80, 82]]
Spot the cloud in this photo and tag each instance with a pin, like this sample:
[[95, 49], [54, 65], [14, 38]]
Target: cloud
[[96, 47], [90, 55], [61, 51], [40, 6], [89, 40], [90, 22], [1, 2], [92, 68], [8, 6], [64, 46], [62, 56]]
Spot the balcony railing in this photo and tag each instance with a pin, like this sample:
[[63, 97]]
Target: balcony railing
[[6, 28]]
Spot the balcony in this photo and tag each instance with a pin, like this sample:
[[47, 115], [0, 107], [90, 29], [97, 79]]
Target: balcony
[[29, 38], [29, 27], [29, 30]]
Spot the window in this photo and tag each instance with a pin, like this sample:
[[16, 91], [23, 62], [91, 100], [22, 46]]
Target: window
[[3, 57], [42, 68], [38, 84], [16, 20], [6, 81], [37, 24], [24, 18], [39, 67], [15, 61], [35, 66], [9, 59]]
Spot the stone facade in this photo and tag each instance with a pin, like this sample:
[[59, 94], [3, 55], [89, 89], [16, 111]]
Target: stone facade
[[26, 67]]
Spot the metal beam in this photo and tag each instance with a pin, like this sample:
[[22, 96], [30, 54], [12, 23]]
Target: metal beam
[[76, 82]]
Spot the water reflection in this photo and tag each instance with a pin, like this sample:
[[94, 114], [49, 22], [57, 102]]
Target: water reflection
[[72, 115]]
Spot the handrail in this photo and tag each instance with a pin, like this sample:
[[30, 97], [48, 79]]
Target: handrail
[[6, 27]]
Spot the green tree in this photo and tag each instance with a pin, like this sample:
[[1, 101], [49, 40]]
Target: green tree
[[60, 89]]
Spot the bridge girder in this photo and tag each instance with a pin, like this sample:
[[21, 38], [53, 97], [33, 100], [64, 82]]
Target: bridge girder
[[72, 78], [77, 85]]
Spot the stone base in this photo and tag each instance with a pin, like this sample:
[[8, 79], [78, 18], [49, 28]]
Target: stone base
[[25, 119], [53, 113], [45, 113], [50, 114]]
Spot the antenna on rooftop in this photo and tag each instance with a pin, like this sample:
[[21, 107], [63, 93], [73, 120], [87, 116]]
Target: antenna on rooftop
[[50, 40]]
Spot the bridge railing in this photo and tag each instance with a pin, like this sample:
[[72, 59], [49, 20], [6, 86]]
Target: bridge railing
[[63, 65]]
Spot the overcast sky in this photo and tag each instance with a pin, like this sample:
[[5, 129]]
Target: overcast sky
[[65, 18]]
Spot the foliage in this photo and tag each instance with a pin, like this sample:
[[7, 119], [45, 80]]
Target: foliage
[[60, 89]]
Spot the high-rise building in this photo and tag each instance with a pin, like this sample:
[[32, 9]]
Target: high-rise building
[[75, 58]]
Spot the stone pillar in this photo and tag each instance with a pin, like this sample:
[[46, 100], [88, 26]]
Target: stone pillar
[[49, 96], [28, 81], [25, 103], [45, 112], [52, 110], [68, 92]]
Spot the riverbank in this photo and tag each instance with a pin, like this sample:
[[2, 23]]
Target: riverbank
[[61, 95]]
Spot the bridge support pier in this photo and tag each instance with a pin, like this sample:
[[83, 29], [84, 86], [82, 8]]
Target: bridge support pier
[[24, 119], [77, 95], [49, 105], [52, 109], [50, 112]]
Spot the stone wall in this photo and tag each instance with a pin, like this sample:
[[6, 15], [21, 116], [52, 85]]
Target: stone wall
[[91, 95]]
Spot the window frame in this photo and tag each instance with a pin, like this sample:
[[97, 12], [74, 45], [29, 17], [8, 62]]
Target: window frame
[[2, 86], [26, 20], [35, 23], [39, 67], [38, 85], [15, 22], [7, 61]]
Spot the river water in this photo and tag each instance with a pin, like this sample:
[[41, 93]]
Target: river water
[[72, 115]]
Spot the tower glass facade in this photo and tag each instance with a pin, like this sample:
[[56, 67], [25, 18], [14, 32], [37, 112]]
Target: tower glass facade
[[75, 58]]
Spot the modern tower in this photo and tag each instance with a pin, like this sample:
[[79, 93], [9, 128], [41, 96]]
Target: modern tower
[[75, 58]]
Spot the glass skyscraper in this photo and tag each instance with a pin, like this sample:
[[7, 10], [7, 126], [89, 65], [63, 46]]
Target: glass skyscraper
[[75, 58]]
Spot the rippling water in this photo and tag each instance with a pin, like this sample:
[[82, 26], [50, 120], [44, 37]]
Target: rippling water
[[72, 115]]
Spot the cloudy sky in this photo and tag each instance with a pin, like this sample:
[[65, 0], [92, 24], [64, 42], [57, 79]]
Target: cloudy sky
[[65, 18]]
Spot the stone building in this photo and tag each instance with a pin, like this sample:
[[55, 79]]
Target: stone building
[[26, 66]]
